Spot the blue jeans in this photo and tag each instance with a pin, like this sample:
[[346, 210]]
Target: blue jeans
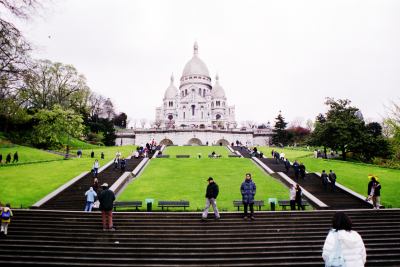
[[89, 206]]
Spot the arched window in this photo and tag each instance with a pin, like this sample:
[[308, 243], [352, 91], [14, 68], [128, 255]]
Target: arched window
[[204, 92], [199, 91], [202, 115], [218, 103], [193, 108], [184, 115], [185, 92], [218, 117]]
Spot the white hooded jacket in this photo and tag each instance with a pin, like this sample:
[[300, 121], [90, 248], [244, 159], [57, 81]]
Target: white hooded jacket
[[352, 245]]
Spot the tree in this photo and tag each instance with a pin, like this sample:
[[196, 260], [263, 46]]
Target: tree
[[121, 120], [280, 135], [48, 84], [54, 125]]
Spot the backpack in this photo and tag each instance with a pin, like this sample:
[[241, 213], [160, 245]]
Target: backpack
[[5, 215], [336, 259]]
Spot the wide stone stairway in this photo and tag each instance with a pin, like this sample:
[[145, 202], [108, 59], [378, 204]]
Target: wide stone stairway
[[67, 238], [339, 199], [73, 197]]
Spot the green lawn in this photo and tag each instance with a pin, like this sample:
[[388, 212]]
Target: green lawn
[[194, 150], [352, 175], [26, 184], [289, 153], [27, 154], [185, 179]]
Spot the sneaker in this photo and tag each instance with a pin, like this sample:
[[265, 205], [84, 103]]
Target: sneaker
[[245, 218], [252, 218], [112, 229]]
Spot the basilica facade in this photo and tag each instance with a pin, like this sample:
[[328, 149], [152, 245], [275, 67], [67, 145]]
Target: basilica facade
[[197, 103]]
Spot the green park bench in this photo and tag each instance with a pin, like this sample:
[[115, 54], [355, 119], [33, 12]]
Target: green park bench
[[171, 204], [239, 203], [182, 156], [286, 203], [120, 204]]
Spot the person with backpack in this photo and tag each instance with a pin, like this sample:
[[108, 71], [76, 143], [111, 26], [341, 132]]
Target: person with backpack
[[6, 214]]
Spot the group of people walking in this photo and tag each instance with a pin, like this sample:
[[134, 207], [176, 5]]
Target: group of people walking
[[15, 158]]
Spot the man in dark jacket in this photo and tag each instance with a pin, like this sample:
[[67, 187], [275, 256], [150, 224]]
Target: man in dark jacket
[[332, 179], [211, 196], [324, 179], [248, 190], [106, 199]]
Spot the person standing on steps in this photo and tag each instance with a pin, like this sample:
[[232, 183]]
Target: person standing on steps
[[374, 191], [296, 168], [332, 179], [324, 178], [292, 197], [123, 164], [90, 198], [302, 169], [287, 165], [299, 194], [92, 154], [96, 166], [211, 199], [5, 216], [248, 190], [350, 243], [106, 199]]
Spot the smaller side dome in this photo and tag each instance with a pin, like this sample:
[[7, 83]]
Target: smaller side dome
[[171, 91], [217, 90]]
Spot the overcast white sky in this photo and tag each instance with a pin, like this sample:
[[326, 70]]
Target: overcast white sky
[[270, 55]]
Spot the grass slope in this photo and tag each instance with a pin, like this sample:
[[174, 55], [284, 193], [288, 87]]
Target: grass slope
[[26, 154], [26, 184], [350, 174], [194, 150], [185, 179]]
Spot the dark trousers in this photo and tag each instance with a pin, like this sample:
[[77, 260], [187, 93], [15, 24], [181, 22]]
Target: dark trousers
[[299, 204], [333, 186], [251, 208], [293, 204]]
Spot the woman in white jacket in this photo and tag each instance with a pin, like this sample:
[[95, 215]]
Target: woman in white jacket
[[352, 245]]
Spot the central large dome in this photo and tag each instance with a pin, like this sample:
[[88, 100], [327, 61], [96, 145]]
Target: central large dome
[[195, 66]]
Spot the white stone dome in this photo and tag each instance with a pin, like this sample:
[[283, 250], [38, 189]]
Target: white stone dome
[[195, 66], [217, 90], [171, 91]]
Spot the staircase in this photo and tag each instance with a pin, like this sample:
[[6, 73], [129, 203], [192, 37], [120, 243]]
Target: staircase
[[73, 197], [65, 238], [339, 199]]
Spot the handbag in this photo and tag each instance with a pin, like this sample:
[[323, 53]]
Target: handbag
[[336, 259]]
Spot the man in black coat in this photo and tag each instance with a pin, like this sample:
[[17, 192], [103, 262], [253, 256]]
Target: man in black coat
[[211, 196], [106, 199]]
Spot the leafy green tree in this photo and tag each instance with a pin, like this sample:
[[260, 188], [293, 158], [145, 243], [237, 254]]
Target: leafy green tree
[[49, 84], [280, 134], [54, 125]]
